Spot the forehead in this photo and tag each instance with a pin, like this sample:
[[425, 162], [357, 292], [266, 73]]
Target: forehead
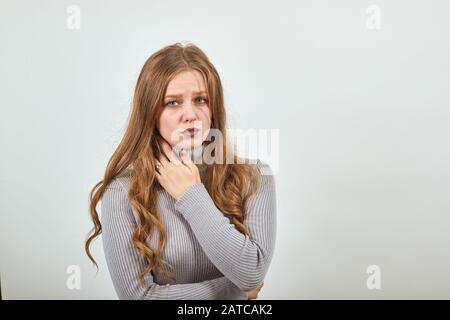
[[190, 80]]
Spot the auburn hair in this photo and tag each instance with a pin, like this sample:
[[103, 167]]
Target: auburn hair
[[228, 184]]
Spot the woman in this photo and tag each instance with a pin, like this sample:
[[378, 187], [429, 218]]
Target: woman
[[174, 226]]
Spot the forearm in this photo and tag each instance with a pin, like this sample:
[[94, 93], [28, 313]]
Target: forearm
[[243, 259], [215, 289], [125, 263]]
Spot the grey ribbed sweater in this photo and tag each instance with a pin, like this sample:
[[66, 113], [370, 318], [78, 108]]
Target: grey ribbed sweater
[[211, 259]]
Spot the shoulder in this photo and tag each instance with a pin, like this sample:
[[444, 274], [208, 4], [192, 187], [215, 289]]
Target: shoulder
[[121, 182], [264, 168], [266, 191], [115, 199], [266, 175]]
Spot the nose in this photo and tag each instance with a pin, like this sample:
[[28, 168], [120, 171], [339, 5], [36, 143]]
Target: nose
[[188, 113]]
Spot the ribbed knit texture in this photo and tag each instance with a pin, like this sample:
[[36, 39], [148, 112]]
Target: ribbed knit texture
[[211, 259]]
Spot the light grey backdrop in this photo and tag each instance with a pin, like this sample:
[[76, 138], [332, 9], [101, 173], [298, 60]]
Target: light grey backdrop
[[363, 117]]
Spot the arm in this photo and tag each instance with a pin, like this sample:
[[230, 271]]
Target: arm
[[125, 263], [242, 259]]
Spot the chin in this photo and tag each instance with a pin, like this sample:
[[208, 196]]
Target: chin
[[190, 143]]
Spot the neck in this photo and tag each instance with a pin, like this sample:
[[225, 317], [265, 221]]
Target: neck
[[195, 154]]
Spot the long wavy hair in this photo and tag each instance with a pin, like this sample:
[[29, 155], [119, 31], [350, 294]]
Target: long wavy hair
[[229, 184]]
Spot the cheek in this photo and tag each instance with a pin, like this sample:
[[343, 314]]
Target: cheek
[[206, 117], [165, 124]]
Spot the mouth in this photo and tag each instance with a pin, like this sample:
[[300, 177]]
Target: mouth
[[190, 131]]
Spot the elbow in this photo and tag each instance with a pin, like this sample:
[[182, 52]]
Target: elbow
[[251, 281], [250, 285], [249, 278]]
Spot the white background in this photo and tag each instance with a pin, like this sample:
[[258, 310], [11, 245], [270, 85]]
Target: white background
[[363, 118]]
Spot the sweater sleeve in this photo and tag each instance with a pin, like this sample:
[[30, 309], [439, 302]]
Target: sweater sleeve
[[125, 263], [242, 259]]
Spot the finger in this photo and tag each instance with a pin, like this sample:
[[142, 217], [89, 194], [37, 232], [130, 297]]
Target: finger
[[159, 177], [158, 168], [163, 161], [187, 159], [163, 164], [158, 173]]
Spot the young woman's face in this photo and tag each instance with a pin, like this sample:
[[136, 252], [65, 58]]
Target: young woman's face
[[186, 105]]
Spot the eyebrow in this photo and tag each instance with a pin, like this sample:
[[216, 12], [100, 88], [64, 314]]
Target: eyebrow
[[180, 95]]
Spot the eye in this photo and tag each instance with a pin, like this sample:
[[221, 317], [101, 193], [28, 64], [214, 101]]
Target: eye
[[170, 103], [202, 100]]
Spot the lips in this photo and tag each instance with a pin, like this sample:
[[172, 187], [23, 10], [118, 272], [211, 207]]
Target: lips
[[190, 131]]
